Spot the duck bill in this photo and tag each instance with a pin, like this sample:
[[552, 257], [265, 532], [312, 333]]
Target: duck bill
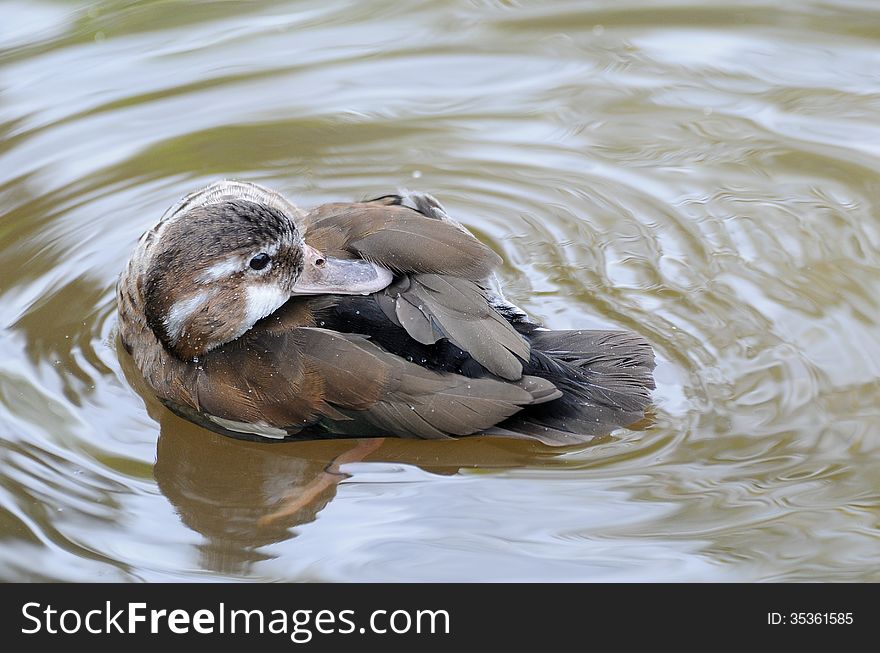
[[324, 275]]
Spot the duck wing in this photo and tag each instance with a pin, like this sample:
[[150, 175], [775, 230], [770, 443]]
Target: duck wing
[[314, 380], [442, 271], [400, 236]]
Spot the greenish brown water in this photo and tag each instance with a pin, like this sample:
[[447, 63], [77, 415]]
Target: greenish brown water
[[703, 173]]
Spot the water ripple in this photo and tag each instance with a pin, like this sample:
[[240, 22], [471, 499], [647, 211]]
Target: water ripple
[[704, 176]]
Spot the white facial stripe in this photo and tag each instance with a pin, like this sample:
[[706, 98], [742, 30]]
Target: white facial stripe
[[221, 270], [229, 266], [262, 299], [180, 312], [271, 250]]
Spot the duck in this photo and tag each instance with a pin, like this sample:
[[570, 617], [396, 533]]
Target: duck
[[262, 321]]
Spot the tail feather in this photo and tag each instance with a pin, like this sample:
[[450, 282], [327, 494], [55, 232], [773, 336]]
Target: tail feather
[[606, 382]]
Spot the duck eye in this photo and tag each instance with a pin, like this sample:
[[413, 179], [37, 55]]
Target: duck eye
[[260, 261]]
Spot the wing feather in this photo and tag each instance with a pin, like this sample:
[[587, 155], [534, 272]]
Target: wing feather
[[405, 398]]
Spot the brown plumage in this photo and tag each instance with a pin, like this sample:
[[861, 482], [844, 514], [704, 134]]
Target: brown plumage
[[375, 318]]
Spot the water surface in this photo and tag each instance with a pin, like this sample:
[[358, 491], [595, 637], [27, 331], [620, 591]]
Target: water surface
[[702, 173]]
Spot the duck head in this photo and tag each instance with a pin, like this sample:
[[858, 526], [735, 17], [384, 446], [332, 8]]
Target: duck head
[[228, 256]]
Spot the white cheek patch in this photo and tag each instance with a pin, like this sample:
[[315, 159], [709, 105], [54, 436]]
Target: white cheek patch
[[180, 313], [261, 300], [221, 270]]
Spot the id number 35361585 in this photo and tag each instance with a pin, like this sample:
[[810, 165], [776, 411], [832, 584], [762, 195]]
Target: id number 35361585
[[809, 618]]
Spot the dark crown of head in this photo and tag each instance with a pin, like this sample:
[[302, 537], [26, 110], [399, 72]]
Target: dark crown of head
[[233, 225]]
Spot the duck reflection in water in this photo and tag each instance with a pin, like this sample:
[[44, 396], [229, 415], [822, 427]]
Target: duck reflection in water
[[242, 496]]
